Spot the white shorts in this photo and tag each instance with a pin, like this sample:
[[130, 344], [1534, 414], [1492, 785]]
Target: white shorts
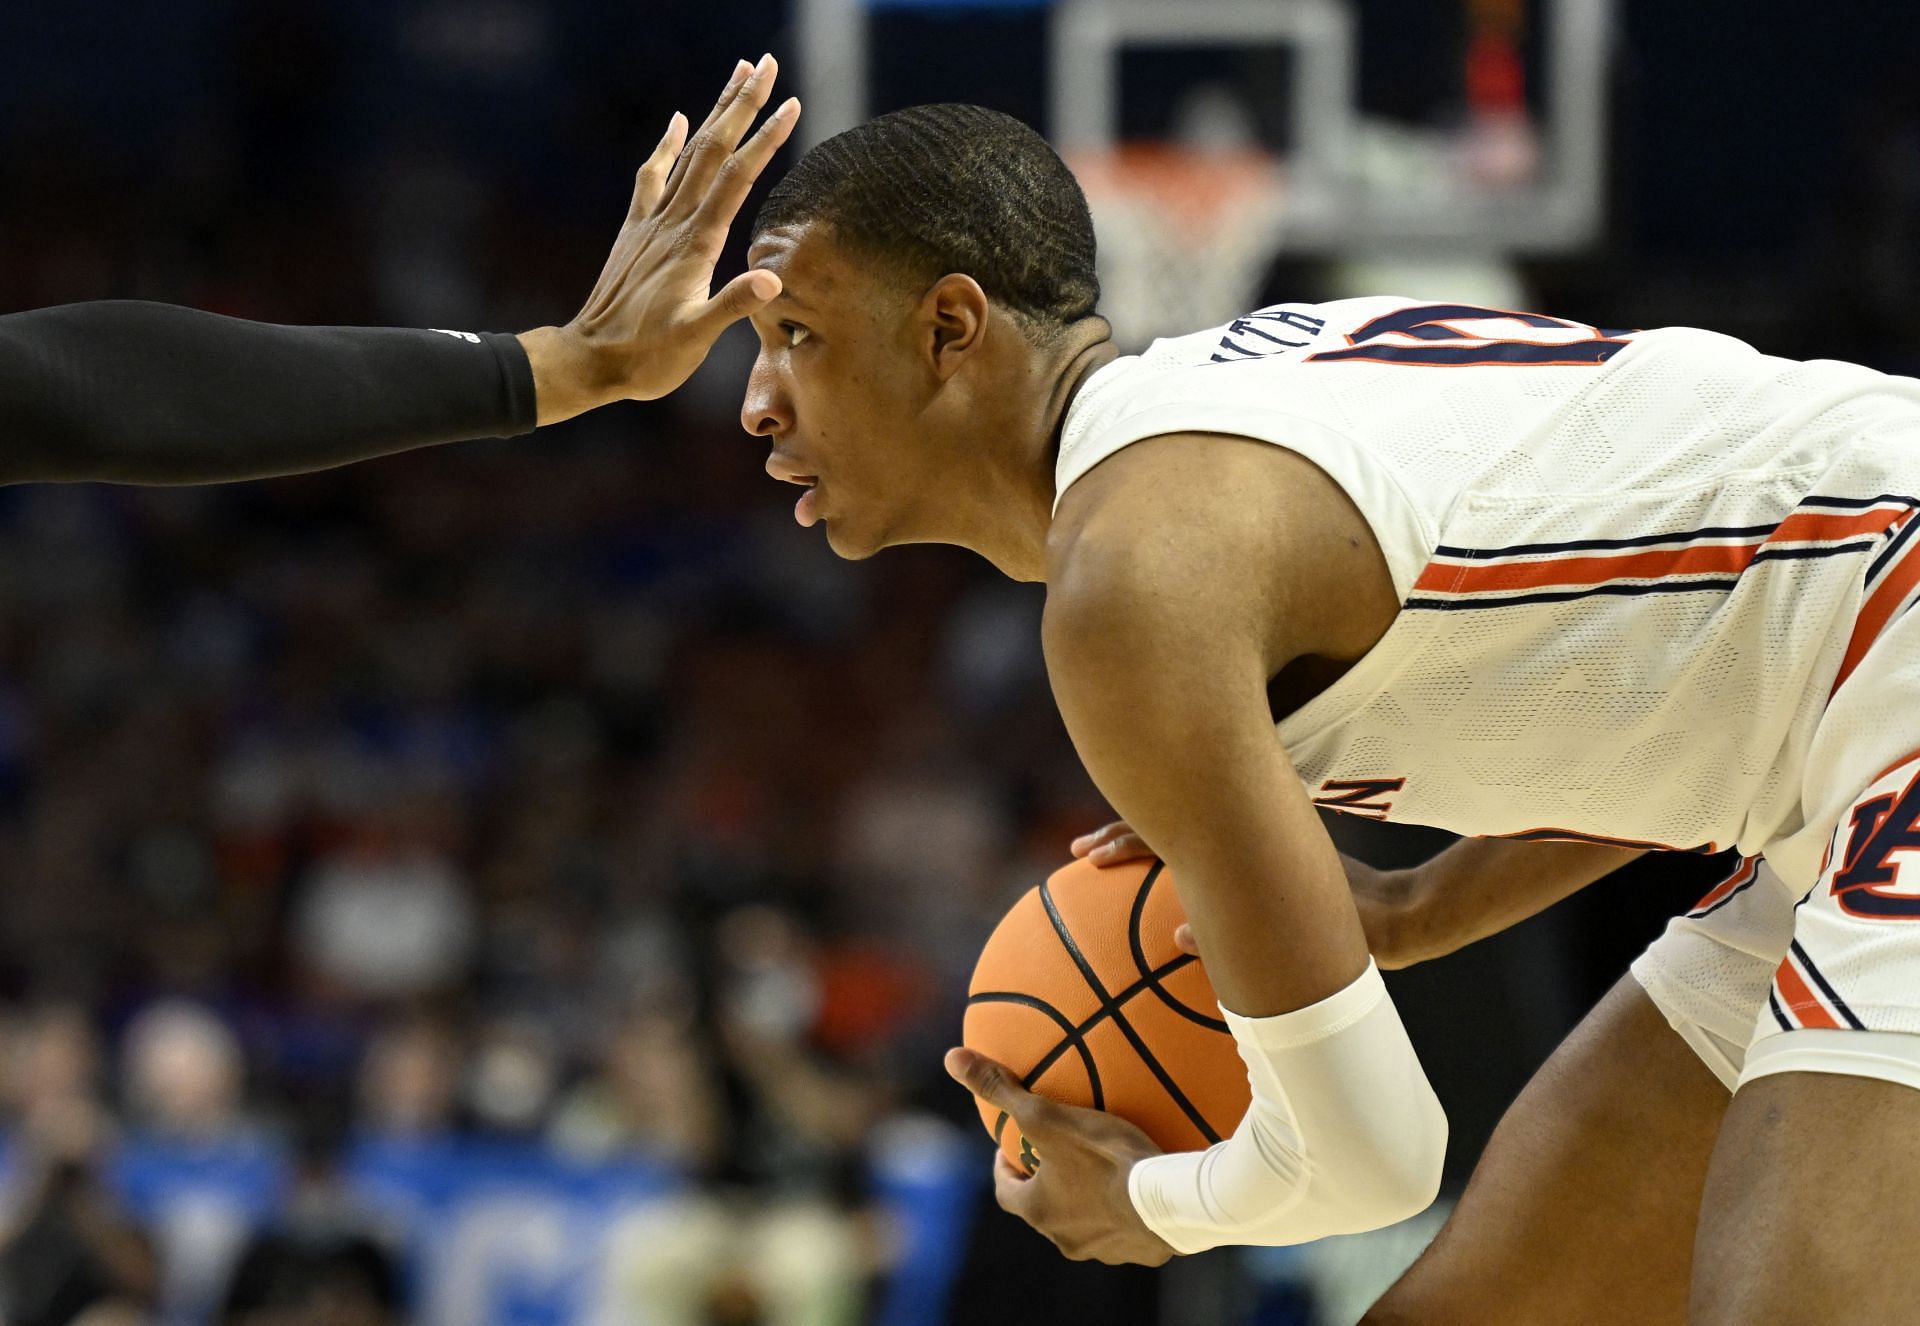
[[1765, 976]]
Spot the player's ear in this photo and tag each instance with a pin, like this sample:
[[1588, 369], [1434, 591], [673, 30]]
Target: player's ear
[[955, 311]]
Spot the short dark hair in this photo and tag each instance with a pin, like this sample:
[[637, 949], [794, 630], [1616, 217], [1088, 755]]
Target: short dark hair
[[953, 188]]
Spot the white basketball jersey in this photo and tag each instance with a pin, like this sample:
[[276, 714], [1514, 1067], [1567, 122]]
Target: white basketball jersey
[[1633, 566]]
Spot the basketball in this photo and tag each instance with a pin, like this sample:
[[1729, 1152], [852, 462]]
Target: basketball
[[1082, 993]]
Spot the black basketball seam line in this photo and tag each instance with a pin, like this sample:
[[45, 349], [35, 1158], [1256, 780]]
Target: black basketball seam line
[[1073, 1036], [1077, 1035], [1140, 956], [1173, 1090]]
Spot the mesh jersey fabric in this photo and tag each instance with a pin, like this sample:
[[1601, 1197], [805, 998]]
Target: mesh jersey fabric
[[1634, 567]]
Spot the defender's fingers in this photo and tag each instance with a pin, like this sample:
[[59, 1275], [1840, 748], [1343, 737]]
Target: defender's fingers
[[742, 70], [650, 183], [743, 296], [715, 142], [1184, 941], [736, 175]]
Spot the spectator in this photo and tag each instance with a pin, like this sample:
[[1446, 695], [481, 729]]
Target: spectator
[[775, 1236], [195, 1170], [322, 1260]]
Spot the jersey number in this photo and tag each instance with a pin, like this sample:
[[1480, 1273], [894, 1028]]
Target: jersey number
[[1453, 335]]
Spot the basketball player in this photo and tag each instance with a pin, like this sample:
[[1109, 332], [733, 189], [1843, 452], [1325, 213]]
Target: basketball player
[[147, 393], [1572, 592]]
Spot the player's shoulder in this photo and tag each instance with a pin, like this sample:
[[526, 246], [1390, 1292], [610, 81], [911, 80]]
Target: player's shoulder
[[1205, 529]]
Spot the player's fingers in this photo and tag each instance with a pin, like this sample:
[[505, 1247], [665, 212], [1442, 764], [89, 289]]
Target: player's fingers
[[1011, 1189], [1086, 842], [650, 183], [993, 1083], [1113, 845], [1184, 941], [716, 141], [734, 180], [1127, 847]]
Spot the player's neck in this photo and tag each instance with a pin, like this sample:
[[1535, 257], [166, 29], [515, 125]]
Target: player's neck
[[1016, 500]]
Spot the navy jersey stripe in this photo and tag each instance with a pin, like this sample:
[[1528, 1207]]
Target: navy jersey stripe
[[1738, 889], [1602, 545], [1833, 996], [1568, 595], [1894, 545], [1680, 536]]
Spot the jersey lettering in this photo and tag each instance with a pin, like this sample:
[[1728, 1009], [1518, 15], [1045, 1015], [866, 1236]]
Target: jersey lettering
[[1458, 335], [1359, 796], [1267, 331]]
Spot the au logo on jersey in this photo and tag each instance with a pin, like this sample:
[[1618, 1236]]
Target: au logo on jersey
[[1879, 876], [1359, 796]]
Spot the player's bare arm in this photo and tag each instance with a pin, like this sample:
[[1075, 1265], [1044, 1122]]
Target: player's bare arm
[[149, 393], [1475, 888], [1164, 623]]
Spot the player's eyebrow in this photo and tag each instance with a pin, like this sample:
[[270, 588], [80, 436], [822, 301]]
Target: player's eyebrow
[[794, 300]]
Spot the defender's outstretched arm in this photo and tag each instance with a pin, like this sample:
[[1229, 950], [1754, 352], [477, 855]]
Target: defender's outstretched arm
[[148, 393]]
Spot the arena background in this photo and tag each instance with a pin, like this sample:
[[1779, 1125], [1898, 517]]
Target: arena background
[[533, 882]]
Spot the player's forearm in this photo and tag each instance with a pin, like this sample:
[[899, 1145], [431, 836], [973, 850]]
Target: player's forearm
[[1479, 887], [1343, 1134], [149, 393]]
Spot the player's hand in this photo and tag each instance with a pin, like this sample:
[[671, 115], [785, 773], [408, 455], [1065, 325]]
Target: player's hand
[[1388, 900], [1077, 1195], [1114, 845], [652, 316]]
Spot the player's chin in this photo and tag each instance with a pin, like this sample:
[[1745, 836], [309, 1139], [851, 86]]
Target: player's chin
[[851, 540]]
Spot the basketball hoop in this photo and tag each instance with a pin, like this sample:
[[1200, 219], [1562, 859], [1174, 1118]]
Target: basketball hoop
[[1185, 234]]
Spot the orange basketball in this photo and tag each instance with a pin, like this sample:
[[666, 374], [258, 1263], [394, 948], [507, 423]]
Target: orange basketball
[[1081, 991]]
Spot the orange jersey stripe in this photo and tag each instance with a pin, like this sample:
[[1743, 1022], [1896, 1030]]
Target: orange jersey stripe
[[1699, 559], [1740, 876], [1575, 572], [1799, 999], [1877, 611]]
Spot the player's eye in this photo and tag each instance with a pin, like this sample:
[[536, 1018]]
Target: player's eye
[[795, 332]]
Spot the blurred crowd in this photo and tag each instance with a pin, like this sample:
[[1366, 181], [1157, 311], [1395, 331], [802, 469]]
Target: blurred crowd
[[557, 799], [527, 882]]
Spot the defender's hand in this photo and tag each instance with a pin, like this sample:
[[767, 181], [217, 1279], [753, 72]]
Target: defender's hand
[[650, 319], [1077, 1196]]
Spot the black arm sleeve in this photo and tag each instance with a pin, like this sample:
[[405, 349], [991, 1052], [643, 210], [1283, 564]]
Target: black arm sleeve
[[150, 393]]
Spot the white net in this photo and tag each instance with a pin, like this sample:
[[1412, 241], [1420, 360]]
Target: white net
[[1185, 234]]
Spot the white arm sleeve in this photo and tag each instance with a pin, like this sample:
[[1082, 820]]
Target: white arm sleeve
[[1344, 1133]]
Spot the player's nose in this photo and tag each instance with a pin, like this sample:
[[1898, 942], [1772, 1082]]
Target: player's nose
[[765, 412]]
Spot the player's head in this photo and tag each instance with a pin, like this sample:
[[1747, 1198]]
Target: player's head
[[932, 260]]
